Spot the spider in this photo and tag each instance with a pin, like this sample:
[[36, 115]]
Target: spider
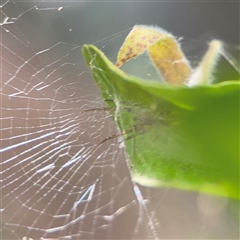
[[140, 120]]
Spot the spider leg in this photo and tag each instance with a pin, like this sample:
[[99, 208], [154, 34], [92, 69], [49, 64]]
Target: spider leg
[[111, 137], [98, 109], [116, 135]]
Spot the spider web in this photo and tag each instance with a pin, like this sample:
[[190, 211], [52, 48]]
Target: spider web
[[57, 180]]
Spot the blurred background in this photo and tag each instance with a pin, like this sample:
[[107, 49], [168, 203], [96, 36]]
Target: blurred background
[[57, 181]]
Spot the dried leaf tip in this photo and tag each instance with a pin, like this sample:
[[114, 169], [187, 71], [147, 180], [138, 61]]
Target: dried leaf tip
[[163, 49]]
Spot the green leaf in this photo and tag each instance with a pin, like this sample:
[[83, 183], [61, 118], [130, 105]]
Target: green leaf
[[175, 136]]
